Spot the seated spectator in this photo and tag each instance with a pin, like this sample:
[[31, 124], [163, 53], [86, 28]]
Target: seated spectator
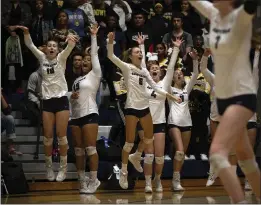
[[123, 10], [8, 125], [88, 10], [33, 97], [40, 27], [178, 32], [78, 20], [139, 25], [158, 24], [191, 20], [62, 30]]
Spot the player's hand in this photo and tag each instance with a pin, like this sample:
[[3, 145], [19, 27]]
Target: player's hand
[[75, 95]]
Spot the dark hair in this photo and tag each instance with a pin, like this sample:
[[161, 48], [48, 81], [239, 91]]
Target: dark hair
[[237, 3], [177, 15], [154, 63], [76, 54]]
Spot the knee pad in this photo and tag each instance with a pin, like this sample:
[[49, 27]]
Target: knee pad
[[62, 140], [179, 156], [148, 159], [47, 141], [91, 150], [128, 147], [159, 160], [248, 166], [219, 162], [148, 141], [79, 151]]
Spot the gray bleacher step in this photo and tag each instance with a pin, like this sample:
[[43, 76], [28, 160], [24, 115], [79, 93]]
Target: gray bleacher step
[[18, 114], [29, 149], [35, 167], [25, 131], [32, 131], [27, 157], [42, 176], [19, 122]]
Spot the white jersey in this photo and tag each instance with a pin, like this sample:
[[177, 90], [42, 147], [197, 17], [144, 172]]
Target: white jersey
[[136, 80], [230, 39], [214, 115], [179, 112], [157, 101], [256, 77], [87, 86], [54, 84]]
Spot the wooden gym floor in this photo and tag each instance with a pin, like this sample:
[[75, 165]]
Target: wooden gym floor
[[195, 193]]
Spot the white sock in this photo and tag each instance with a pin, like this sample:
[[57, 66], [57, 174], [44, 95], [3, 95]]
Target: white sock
[[63, 161], [81, 175], [48, 161], [148, 179], [138, 154], [88, 174], [124, 168], [93, 175], [157, 176], [176, 175], [234, 169]]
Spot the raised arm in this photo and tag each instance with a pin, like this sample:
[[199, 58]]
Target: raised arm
[[204, 7], [171, 66], [29, 43], [120, 64], [204, 68], [194, 76], [71, 42], [140, 40], [255, 67], [96, 67]]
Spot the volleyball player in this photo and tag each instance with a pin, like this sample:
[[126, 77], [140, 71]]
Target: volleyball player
[[251, 125], [179, 119], [230, 35], [157, 109], [55, 101], [85, 118], [137, 105]]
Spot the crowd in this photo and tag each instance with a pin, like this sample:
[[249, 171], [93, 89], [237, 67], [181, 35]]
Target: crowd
[[68, 49]]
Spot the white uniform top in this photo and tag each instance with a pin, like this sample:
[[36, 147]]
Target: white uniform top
[[135, 80], [256, 77], [87, 86], [54, 84], [157, 101], [230, 39], [179, 112]]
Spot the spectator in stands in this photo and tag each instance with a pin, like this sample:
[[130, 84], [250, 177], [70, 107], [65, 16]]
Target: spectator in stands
[[8, 125], [33, 98], [78, 20], [88, 10], [178, 32], [191, 20], [75, 71], [158, 24], [139, 26], [13, 13], [123, 9], [62, 30], [40, 27], [51, 8]]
